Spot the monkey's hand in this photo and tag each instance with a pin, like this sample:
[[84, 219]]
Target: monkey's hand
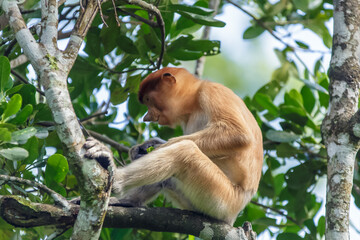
[[99, 152], [142, 149]]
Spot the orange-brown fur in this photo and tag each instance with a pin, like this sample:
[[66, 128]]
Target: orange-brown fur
[[215, 167]]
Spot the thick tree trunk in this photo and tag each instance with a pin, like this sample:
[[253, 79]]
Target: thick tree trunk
[[53, 67], [341, 126]]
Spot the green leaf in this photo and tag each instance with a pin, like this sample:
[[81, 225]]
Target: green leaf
[[118, 94], [287, 236], [23, 135], [309, 99], [56, 168], [23, 115], [282, 73], [14, 154], [12, 107], [302, 44], [294, 114], [203, 20], [280, 136], [127, 45], [189, 9], [303, 5], [5, 135], [14, 89], [93, 43], [5, 80], [285, 150], [185, 55], [134, 107], [299, 177], [266, 102], [293, 98], [265, 221], [32, 147], [253, 32], [321, 226]]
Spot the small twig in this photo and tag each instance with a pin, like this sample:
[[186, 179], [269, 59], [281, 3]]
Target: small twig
[[117, 146], [101, 14], [93, 116], [277, 211], [120, 161], [141, 19], [58, 232], [81, 6], [25, 81], [59, 199], [115, 12], [85, 131]]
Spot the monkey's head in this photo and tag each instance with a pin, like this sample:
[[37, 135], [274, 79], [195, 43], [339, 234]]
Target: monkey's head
[[167, 94]]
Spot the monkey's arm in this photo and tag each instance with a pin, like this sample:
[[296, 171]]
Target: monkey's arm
[[217, 137]]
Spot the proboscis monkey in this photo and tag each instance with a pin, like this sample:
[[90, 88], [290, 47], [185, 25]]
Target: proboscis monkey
[[214, 168]]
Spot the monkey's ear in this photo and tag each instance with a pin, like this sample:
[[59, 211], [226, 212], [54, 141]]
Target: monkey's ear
[[169, 78]]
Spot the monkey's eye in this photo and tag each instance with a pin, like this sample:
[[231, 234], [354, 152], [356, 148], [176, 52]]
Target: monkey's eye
[[147, 99]]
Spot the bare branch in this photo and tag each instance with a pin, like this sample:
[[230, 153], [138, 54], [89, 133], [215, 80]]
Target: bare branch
[[57, 197], [49, 21], [18, 61], [3, 22], [22, 33], [102, 138], [82, 25]]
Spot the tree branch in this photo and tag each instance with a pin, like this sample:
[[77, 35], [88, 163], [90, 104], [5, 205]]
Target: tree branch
[[340, 127], [23, 213], [119, 147], [22, 33], [49, 21], [78, 34], [59, 199], [18, 61]]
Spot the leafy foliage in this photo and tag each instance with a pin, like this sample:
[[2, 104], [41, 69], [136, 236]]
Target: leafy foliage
[[289, 114]]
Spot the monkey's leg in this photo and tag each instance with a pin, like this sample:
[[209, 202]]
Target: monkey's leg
[[139, 196], [200, 180]]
